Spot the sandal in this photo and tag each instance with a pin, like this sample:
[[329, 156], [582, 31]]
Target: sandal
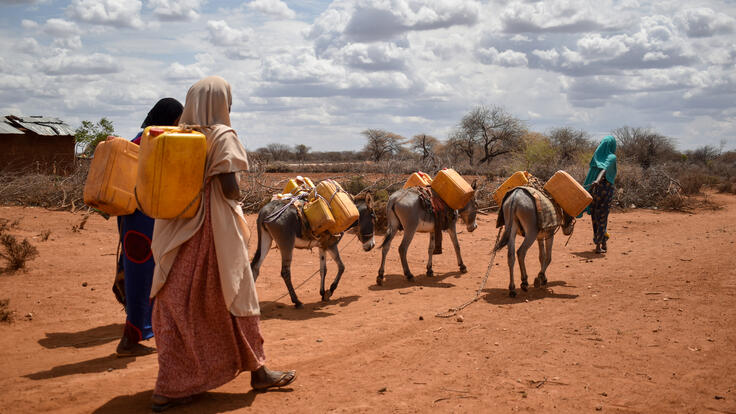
[[159, 403], [286, 378], [134, 351]]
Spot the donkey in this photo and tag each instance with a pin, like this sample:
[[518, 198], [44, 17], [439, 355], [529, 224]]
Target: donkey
[[520, 212], [286, 231], [405, 210]]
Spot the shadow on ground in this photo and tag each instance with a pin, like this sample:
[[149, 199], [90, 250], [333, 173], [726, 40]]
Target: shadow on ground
[[101, 364], [83, 339], [280, 310], [206, 403], [497, 296], [398, 281]]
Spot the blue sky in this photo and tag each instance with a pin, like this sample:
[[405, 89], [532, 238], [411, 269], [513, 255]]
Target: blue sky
[[320, 72]]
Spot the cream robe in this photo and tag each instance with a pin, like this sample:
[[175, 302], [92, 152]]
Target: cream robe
[[225, 154]]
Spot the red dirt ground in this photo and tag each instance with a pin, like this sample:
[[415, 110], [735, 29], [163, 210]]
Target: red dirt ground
[[647, 328]]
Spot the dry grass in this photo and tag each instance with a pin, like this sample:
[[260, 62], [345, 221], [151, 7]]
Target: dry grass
[[6, 315], [16, 253], [50, 191]]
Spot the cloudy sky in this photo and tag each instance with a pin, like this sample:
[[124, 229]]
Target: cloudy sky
[[319, 72]]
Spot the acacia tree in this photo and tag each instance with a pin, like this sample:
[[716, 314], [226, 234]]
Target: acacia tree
[[643, 145], [424, 145], [279, 152], [493, 130], [464, 143], [570, 143], [301, 152], [89, 134], [381, 143]]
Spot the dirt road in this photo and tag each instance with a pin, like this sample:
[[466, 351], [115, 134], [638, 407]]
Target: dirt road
[[649, 327]]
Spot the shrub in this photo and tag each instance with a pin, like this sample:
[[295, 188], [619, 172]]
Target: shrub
[[6, 315], [16, 253]]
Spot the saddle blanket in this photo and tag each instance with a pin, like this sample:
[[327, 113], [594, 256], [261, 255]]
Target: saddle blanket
[[549, 213]]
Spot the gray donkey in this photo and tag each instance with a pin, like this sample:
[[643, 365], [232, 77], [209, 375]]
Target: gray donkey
[[286, 230], [405, 210], [519, 211]]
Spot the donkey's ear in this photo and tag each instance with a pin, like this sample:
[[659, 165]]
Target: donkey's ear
[[475, 183], [369, 200]]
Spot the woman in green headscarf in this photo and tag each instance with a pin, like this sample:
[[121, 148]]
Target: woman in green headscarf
[[599, 183]]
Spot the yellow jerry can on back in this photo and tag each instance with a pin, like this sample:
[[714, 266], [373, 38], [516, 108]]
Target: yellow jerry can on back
[[418, 179], [170, 172], [568, 193], [319, 215], [111, 178], [340, 203], [452, 188], [517, 179]]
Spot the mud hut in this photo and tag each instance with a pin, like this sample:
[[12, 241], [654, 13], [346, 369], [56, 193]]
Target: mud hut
[[36, 144]]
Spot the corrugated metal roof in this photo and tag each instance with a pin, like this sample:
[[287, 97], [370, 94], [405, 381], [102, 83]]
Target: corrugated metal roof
[[41, 125], [6, 128]]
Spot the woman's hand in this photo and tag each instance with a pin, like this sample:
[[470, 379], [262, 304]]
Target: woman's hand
[[229, 185]]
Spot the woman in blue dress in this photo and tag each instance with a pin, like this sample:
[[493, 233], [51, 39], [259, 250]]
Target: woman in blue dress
[[599, 183], [136, 261]]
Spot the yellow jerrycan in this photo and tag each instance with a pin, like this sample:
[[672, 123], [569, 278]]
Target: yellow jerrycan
[[297, 185], [319, 215], [170, 172], [418, 179], [517, 179], [568, 193], [452, 188], [111, 179], [340, 203]]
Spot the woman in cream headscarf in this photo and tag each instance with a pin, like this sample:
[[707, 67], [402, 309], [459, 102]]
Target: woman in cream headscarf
[[206, 313]]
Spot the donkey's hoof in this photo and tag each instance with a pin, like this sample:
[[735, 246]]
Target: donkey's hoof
[[512, 293], [463, 269], [326, 296], [299, 305], [409, 277], [524, 286], [537, 282], [430, 273], [379, 280]]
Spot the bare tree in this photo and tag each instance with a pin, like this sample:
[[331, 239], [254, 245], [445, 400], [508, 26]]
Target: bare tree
[[279, 152], [643, 145], [494, 130], [464, 143], [381, 143], [301, 152], [570, 143], [424, 145]]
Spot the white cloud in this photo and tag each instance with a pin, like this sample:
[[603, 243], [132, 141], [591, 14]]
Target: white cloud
[[552, 16], [175, 9], [60, 28], [177, 71], [375, 56], [595, 46], [221, 34], [120, 13], [704, 22], [273, 7], [65, 64], [28, 24], [73, 42], [509, 58]]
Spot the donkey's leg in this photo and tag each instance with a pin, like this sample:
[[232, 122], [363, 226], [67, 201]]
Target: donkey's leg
[[430, 273], [547, 260], [264, 245], [286, 246], [335, 254], [385, 247], [409, 232], [511, 258], [531, 236], [538, 279], [322, 272], [456, 245]]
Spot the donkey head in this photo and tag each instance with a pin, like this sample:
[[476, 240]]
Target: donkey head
[[468, 213], [366, 221]]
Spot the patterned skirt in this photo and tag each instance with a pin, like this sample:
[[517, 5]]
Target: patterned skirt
[[201, 345], [599, 208]]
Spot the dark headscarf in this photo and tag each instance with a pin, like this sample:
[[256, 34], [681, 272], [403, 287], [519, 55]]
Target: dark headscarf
[[164, 113]]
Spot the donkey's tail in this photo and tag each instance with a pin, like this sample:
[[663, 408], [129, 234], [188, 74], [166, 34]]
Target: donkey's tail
[[389, 228], [509, 227], [259, 229]]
